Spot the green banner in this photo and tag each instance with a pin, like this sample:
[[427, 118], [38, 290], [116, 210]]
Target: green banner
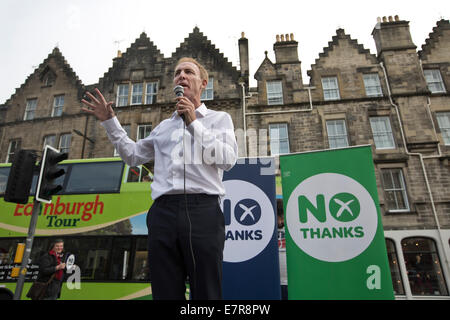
[[335, 243]]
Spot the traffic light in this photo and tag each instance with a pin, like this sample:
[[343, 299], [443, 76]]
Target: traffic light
[[49, 172], [21, 176]]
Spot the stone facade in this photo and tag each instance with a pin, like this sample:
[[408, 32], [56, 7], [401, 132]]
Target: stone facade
[[403, 98]]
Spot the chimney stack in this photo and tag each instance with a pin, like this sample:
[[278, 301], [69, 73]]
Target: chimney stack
[[397, 51], [392, 35], [244, 58], [286, 49]]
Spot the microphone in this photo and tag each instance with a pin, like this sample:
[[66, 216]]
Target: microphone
[[179, 92]]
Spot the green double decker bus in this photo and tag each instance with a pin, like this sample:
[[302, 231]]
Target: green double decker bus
[[101, 215]]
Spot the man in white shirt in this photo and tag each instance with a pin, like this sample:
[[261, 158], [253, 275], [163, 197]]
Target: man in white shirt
[[185, 223]]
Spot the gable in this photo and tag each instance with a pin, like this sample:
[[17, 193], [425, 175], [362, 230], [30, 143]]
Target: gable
[[48, 72], [437, 45], [197, 46], [344, 52]]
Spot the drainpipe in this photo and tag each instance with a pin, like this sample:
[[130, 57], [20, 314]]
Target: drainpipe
[[446, 260], [244, 122]]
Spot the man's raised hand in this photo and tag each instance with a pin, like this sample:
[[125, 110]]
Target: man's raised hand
[[98, 106]]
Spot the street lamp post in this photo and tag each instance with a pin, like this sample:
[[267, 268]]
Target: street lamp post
[[84, 136]]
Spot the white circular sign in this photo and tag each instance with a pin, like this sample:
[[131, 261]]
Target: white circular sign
[[249, 220], [70, 262], [331, 217]]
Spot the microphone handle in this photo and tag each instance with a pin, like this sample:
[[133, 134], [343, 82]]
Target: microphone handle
[[181, 115]]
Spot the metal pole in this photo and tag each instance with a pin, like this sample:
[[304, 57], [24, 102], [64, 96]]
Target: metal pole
[[28, 246]]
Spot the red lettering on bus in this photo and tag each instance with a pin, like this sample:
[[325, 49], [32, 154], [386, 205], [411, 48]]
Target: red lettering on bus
[[16, 212], [86, 209], [28, 209], [59, 207]]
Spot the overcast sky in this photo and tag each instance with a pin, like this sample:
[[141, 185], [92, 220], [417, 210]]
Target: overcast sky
[[89, 32]]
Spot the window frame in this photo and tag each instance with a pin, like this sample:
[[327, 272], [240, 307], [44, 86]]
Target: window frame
[[394, 267], [30, 109], [433, 79], [375, 79], [276, 140], [54, 140], [389, 133], [445, 131], [337, 136], [433, 253], [394, 190], [58, 107], [208, 92], [64, 149], [121, 97], [10, 155], [138, 95], [152, 95], [330, 93], [274, 95], [145, 127]]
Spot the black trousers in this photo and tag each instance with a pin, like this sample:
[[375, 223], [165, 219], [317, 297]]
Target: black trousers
[[185, 243]]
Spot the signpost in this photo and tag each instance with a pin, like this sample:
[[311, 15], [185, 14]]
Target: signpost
[[18, 190], [334, 235]]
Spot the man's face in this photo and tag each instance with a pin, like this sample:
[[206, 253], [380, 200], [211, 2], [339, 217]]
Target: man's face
[[187, 75], [59, 247]]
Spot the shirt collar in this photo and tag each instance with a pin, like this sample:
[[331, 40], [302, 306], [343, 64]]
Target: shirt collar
[[201, 110]]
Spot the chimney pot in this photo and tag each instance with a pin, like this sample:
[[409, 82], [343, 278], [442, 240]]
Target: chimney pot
[[390, 19], [282, 38], [292, 37], [278, 38], [396, 18], [242, 34], [287, 37], [384, 19], [119, 54]]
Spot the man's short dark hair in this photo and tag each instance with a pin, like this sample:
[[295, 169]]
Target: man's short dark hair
[[54, 242]]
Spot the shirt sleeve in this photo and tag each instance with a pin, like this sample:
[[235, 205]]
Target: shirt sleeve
[[219, 144], [132, 153]]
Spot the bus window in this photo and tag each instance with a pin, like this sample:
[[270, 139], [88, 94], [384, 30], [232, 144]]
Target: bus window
[[91, 255], [146, 174], [7, 251], [133, 174], [139, 174], [95, 177], [120, 260], [4, 173], [140, 265]]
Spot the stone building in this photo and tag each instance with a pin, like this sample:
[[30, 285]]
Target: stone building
[[396, 100]]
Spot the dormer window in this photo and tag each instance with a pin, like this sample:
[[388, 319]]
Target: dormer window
[[48, 77], [274, 92]]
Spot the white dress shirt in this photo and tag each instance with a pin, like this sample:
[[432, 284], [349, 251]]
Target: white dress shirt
[[209, 148]]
